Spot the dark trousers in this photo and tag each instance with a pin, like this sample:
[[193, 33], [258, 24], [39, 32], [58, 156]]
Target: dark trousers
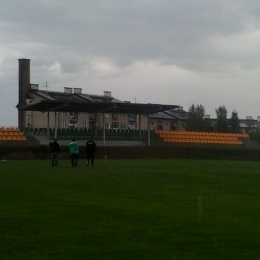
[[54, 159], [74, 159], [90, 156]]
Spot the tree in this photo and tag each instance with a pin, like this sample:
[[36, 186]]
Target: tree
[[234, 122], [195, 120], [222, 122]]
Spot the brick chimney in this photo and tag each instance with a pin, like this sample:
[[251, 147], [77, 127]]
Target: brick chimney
[[24, 87], [107, 93]]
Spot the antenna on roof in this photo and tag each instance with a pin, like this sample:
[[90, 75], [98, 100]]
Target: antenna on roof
[[47, 86]]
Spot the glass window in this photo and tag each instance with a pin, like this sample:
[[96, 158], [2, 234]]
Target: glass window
[[64, 124], [84, 124], [115, 125]]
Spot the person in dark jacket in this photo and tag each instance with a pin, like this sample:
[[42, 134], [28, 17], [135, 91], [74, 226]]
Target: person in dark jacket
[[55, 152], [90, 150]]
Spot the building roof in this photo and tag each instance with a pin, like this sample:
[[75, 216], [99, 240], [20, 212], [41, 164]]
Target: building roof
[[99, 107], [162, 115], [171, 114], [80, 102], [178, 114]]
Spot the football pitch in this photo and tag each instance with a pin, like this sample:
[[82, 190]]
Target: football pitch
[[130, 209]]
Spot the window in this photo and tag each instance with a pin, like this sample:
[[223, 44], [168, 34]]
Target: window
[[83, 114], [115, 125], [63, 113], [64, 124], [84, 124], [123, 115], [91, 116], [106, 115], [107, 126], [123, 126], [166, 124]]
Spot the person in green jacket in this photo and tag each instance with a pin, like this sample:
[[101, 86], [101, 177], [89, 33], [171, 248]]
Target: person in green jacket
[[74, 153]]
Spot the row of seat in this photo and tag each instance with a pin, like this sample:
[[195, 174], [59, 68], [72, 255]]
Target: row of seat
[[193, 133], [7, 133], [201, 137], [12, 138], [204, 141], [2, 128], [204, 137]]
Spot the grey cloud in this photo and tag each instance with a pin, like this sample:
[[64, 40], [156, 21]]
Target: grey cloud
[[131, 30], [204, 37]]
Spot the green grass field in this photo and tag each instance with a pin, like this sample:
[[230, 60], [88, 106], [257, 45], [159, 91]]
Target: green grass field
[[130, 209]]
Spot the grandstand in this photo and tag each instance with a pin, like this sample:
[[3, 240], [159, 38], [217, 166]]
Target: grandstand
[[123, 137]]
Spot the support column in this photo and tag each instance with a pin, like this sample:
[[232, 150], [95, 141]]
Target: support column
[[140, 125], [148, 131], [48, 123], [104, 130], [55, 123], [96, 124]]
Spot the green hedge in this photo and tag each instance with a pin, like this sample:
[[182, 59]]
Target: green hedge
[[131, 152]]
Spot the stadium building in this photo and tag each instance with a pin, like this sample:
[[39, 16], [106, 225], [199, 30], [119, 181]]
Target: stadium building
[[30, 94], [43, 110]]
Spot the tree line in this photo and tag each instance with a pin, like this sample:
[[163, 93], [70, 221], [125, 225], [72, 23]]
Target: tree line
[[198, 122]]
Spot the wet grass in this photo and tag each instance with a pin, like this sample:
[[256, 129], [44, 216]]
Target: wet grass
[[130, 209]]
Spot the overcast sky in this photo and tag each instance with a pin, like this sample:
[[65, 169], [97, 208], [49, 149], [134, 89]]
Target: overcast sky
[[147, 51]]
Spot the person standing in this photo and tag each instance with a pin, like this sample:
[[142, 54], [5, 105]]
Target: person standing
[[90, 150], [74, 153], [55, 152]]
